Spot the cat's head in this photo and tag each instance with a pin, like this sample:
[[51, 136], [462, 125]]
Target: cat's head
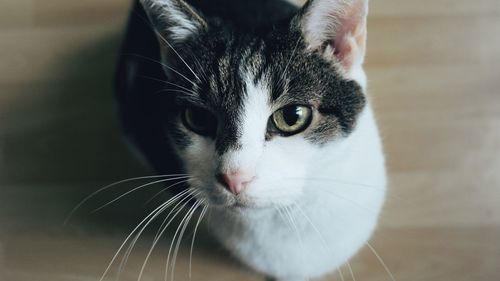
[[254, 108]]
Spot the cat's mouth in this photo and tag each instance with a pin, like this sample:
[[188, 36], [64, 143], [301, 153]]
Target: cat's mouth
[[239, 203], [248, 204], [216, 196], [244, 206]]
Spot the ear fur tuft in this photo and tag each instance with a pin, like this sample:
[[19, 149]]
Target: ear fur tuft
[[174, 19], [337, 29]]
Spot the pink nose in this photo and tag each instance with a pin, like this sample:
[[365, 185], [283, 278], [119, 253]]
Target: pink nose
[[235, 182]]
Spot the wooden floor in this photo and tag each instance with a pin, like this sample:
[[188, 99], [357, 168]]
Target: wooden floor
[[434, 76]]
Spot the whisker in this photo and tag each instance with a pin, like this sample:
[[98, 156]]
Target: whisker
[[162, 64], [339, 270], [283, 217], [148, 218], [169, 83], [173, 91], [165, 189], [292, 221], [351, 271], [167, 204], [290, 60], [135, 189], [323, 240], [148, 22], [286, 217], [381, 261], [132, 245], [175, 51], [173, 240], [278, 210], [200, 218], [313, 226], [158, 236], [179, 240], [174, 210], [203, 73], [112, 185]]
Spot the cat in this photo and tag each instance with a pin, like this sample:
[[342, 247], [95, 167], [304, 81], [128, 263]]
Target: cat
[[263, 105]]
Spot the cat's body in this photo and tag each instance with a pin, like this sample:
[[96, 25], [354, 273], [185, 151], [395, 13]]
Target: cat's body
[[291, 201], [335, 225]]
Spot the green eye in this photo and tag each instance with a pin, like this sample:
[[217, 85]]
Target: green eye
[[292, 119], [200, 121]]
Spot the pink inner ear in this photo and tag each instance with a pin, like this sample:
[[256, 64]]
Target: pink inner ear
[[350, 37], [343, 50]]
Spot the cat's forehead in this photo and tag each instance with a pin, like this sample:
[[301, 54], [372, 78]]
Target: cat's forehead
[[267, 73], [228, 63]]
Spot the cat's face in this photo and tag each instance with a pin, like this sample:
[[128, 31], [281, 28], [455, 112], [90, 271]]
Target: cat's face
[[253, 110]]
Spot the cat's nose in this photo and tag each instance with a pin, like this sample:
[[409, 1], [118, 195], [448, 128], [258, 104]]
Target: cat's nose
[[235, 182]]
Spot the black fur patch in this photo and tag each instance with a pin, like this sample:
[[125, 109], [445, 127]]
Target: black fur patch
[[260, 37]]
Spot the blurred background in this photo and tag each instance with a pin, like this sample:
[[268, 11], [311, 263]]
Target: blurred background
[[435, 82]]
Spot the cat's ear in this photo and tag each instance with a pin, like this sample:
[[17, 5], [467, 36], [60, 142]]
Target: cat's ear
[[174, 20], [336, 29]]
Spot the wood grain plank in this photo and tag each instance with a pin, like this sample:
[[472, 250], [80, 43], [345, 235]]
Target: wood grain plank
[[88, 12], [16, 14], [434, 80]]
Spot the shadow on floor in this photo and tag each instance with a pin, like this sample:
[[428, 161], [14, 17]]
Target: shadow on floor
[[69, 145]]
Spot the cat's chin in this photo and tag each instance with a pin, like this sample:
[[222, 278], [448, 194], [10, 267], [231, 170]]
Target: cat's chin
[[226, 201], [237, 207]]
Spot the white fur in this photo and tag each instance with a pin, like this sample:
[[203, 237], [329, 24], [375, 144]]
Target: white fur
[[339, 189], [254, 124], [339, 217], [359, 75], [264, 159], [322, 21], [333, 193], [181, 25]]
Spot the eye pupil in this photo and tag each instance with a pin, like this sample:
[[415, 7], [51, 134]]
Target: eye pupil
[[291, 115]]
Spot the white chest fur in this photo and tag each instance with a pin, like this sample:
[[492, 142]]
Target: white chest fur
[[335, 217]]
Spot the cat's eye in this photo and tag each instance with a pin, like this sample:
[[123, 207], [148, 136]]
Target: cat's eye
[[200, 121], [292, 119]]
